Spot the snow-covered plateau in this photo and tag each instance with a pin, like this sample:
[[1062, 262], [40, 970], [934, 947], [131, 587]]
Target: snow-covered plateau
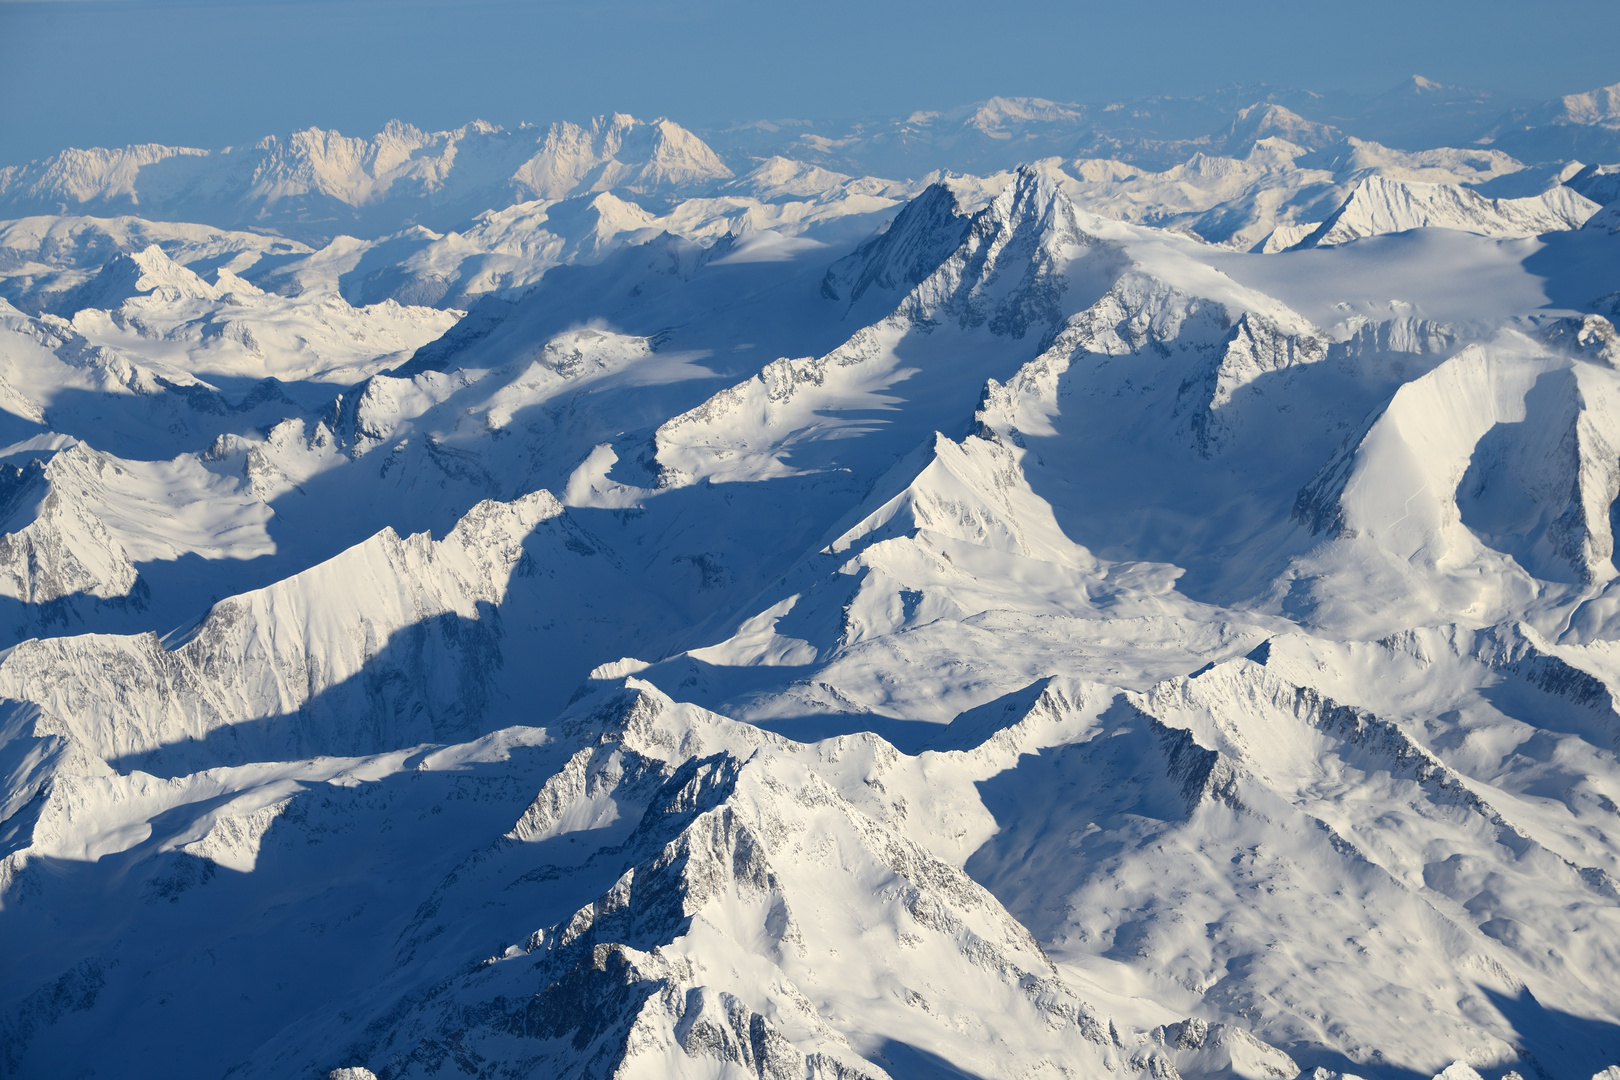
[[604, 602]]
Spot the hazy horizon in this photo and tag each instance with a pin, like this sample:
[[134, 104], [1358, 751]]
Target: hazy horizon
[[115, 72]]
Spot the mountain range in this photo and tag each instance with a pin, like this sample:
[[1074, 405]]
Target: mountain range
[[597, 601]]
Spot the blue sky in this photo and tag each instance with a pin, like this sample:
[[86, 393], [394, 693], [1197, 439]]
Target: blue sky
[[213, 72]]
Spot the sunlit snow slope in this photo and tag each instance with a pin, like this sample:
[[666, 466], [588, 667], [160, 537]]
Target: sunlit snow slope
[[633, 611]]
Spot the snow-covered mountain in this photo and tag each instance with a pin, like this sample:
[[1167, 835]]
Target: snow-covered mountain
[[317, 182], [46, 262], [443, 218], [703, 617], [1584, 125], [1379, 205], [1159, 131]]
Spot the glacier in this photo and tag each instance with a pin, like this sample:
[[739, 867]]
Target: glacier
[[1002, 593]]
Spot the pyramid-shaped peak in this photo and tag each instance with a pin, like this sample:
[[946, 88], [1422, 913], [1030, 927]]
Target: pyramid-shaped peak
[[1033, 213], [158, 271], [1035, 194], [618, 151], [130, 275], [680, 157]]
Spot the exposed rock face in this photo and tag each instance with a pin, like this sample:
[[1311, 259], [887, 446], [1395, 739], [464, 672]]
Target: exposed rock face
[[921, 237], [730, 943], [785, 633]]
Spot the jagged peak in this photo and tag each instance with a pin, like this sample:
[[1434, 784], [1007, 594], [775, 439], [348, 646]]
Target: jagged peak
[[1030, 225], [1034, 193], [402, 131], [909, 248], [1590, 337], [1256, 346]]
